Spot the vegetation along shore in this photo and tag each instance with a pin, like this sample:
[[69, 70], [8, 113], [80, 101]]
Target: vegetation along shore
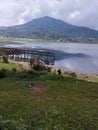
[[33, 98]]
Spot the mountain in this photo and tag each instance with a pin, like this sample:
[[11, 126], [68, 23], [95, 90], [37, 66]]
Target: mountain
[[51, 29]]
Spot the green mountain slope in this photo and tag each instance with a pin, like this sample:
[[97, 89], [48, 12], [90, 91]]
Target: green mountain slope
[[50, 29]]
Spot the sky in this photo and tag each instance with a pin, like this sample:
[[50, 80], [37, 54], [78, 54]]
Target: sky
[[76, 12]]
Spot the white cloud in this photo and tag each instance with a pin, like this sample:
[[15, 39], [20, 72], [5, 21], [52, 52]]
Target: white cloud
[[77, 12], [74, 14]]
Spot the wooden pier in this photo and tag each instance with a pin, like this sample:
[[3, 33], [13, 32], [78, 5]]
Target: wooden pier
[[18, 54]]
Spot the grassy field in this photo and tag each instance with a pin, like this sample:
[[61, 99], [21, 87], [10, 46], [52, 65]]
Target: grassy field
[[7, 65], [12, 39], [32, 100]]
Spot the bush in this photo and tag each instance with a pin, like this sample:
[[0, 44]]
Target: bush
[[3, 73], [5, 59], [14, 70], [31, 61], [38, 67]]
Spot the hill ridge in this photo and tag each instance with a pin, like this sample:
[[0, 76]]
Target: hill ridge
[[49, 28]]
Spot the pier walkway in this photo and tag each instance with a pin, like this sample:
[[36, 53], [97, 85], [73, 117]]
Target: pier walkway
[[18, 54]]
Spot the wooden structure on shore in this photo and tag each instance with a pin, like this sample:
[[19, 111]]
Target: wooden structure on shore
[[18, 54]]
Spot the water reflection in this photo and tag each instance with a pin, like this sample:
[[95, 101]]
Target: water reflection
[[78, 57], [66, 55]]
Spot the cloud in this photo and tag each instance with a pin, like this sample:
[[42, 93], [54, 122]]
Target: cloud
[[74, 14], [77, 12]]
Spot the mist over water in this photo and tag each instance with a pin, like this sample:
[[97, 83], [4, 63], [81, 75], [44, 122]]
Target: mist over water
[[77, 57]]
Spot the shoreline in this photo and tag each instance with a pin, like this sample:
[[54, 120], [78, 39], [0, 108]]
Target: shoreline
[[25, 40], [64, 71], [79, 75]]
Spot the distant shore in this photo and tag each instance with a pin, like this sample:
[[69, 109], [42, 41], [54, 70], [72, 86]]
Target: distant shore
[[24, 40]]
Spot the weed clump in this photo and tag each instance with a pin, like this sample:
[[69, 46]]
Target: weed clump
[[3, 73], [5, 59]]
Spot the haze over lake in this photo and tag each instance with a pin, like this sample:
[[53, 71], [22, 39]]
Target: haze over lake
[[74, 56]]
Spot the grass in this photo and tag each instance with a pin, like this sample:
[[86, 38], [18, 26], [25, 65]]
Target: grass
[[88, 77], [7, 65], [81, 76], [53, 103], [12, 39]]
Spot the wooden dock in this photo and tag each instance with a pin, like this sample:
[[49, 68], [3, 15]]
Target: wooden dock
[[18, 54]]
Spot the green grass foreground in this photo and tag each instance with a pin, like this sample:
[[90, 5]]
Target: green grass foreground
[[9, 66], [52, 103]]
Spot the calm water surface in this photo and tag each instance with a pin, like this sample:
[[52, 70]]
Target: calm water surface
[[76, 57]]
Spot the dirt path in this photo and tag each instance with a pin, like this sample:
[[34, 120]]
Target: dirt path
[[22, 65]]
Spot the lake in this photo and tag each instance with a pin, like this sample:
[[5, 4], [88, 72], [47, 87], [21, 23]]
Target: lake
[[74, 56]]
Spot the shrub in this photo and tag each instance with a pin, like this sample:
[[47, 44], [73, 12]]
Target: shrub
[[31, 61], [5, 59], [38, 67], [14, 70], [3, 73]]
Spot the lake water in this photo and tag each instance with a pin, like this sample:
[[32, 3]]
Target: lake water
[[77, 57]]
